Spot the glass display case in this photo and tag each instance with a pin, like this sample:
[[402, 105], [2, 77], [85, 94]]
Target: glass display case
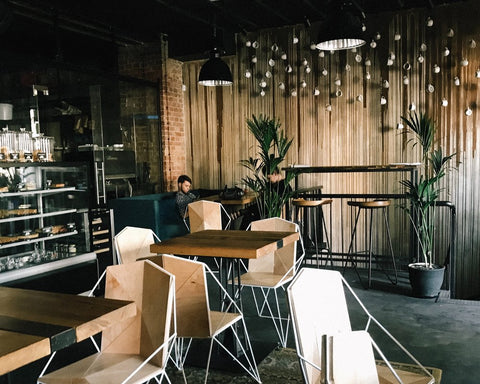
[[44, 218]]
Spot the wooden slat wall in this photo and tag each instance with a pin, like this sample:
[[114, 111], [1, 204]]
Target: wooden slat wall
[[353, 132]]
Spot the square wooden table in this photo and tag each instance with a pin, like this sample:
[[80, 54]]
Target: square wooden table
[[33, 324], [230, 244]]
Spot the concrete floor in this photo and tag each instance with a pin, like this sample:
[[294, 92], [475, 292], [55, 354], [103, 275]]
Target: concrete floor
[[443, 334]]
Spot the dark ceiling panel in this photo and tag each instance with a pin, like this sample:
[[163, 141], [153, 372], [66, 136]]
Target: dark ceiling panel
[[189, 24]]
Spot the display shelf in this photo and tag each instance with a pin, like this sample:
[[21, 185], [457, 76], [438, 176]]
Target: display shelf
[[37, 239], [37, 215], [63, 210]]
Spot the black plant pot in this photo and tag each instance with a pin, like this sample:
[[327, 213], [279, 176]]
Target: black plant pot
[[425, 282]]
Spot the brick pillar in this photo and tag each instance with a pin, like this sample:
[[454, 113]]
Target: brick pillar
[[151, 62]]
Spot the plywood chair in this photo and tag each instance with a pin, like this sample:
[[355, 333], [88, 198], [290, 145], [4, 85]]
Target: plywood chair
[[204, 214], [133, 243], [137, 349], [328, 350], [196, 319], [271, 273]]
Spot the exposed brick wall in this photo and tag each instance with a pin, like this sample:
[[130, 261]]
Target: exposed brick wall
[[150, 62]]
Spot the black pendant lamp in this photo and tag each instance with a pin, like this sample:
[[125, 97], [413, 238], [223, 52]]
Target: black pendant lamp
[[343, 30], [215, 71]]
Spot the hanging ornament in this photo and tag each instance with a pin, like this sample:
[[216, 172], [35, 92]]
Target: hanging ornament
[[254, 59], [347, 68], [281, 86], [444, 102], [262, 83], [456, 81], [377, 36], [338, 93], [420, 59], [313, 46], [255, 44], [429, 22], [383, 100], [338, 82], [271, 63], [464, 62], [400, 126], [359, 98], [477, 73], [308, 69], [283, 56], [397, 36], [468, 111], [436, 68], [303, 83], [446, 51], [324, 72], [385, 84], [316, 92], [406, 80], [248, 74], [295, 40], [274, 47], [248, 43], [368, 76], [288, 68], [262, 93], [373, 44], [304, 62], [472, 44], [294, 92], [321, 53], [412, 107], [430, 88], [328, 108], [368, 62], [268, 74], [358, 58], [407, 66], [450, 32]]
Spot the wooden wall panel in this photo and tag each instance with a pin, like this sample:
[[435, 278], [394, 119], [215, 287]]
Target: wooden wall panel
[[358, 129]]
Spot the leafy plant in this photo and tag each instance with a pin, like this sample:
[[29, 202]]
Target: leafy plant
[[424, 193], [273, 145]]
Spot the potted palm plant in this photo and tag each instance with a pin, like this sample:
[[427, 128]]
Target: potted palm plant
[[426, 277], [272, 190]]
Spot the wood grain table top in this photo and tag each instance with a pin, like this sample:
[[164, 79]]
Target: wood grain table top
[[229, 244], [34, 324]]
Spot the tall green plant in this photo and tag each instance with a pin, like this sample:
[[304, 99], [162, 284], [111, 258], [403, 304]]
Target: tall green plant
[[273, 146], [424, 193]]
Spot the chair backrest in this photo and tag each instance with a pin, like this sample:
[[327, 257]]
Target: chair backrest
[[318, 307], [204, 214], [282, 260], [191, 294], [152, 289], [133, 243]]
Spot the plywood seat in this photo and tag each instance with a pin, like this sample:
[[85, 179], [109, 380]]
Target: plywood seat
[[310, 203], [329, 349], [136, 349], [308, 213], [369, 204], [353, 252]]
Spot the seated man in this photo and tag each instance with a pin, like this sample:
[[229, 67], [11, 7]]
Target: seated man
[[184, 196]]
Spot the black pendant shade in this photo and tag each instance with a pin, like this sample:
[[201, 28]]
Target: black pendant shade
[[343, 30], [215, 71]]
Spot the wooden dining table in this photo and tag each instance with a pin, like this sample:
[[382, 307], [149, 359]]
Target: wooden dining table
[[34, 324], [228, 245]]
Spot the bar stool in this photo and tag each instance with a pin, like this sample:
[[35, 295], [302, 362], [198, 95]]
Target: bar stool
[[302, 208], [370, 206]]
